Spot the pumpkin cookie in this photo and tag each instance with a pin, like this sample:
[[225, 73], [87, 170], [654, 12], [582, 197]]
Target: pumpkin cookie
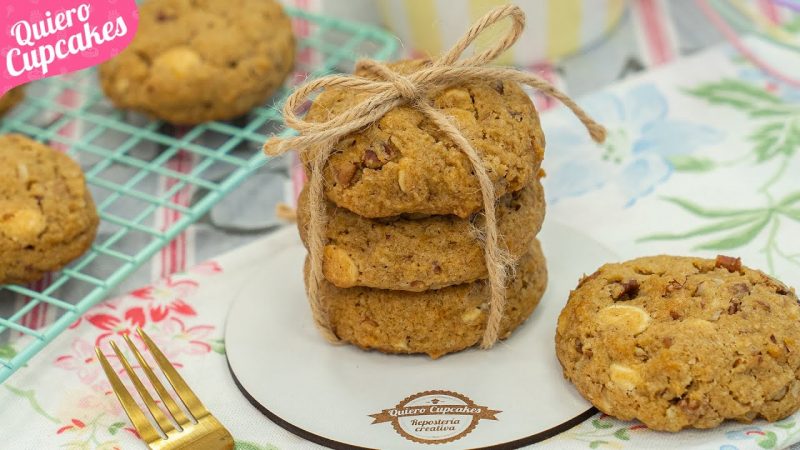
[[196, 61], [47, 216], [405, 164], [417, 254], [11, 98], [433, 322], [680, 342]]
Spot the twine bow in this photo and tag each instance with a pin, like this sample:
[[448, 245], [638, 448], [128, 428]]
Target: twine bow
[[389, 91]]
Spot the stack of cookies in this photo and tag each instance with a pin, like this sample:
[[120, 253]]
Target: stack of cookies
[[404, 262]]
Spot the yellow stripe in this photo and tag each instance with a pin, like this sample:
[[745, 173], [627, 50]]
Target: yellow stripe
[[477, 9], [563, 27], [615, 9], [425, 28], [383, 6]]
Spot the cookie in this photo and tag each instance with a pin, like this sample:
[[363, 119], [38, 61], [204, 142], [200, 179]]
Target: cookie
[[434, 322], [196, 61], [47, 215], [418, 254], [11, 98], [680, 342], [405, 164]]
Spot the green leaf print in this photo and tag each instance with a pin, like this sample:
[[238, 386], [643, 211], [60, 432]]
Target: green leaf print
[[7, 352], [218, 345], [115, 427], [786, 424], [242, 445], [622, 433], [596, 444], [790, 199], [739, 94], [601, 424], [709, 212], [779, 135], [707, 229], [738, 239], [686, 163], [776, 138], [769, 440]]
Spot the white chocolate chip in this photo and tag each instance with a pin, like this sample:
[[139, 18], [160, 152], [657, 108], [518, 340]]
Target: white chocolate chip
[[338, 267], [22, 172], [471, 315], [628, 318], [23, 226], [180, 62], [401, 345], [625, 377]]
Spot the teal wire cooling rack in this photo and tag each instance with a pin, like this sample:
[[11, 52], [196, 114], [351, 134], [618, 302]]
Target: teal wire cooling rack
[[124, 155]]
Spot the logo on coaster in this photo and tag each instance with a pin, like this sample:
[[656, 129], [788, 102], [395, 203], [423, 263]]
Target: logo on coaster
[[435, 417], [42, 38]]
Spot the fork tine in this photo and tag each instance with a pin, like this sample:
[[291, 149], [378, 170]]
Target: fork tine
[[173, 408], [161, 419], [181, 388], [138, 419]]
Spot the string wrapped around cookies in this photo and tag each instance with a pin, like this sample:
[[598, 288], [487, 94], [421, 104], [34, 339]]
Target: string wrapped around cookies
[[389, 89]]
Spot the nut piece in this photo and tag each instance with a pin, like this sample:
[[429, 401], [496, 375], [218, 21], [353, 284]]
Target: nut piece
[[624, 377], [471, 315], [370, 160], [338, 267], [728, 262], [627, 290], [344, 173], [626, 318], [22, 172], [23, 226], [180, 62]]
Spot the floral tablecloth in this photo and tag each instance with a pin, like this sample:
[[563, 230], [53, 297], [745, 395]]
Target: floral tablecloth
[[703, 157]]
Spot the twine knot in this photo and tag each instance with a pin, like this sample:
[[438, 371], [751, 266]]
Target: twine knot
[[388, 91]]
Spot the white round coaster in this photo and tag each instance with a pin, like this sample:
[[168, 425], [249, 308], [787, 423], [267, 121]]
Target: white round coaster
[[344, 397]]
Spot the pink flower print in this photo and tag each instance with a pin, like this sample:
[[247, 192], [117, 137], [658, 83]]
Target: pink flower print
[[167, 297], [82, 360], [175, 338], [111, 324], [207, 268]]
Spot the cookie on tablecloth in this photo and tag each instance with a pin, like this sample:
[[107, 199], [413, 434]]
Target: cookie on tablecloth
[[421, 253], [11, 98], [406, 164], [679, 342], [435, 322], [47, 215], [196, 61]]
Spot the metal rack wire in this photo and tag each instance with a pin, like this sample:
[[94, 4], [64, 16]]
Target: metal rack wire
[[124, 154]]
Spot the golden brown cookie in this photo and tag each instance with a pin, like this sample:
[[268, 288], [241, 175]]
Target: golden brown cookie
[[417, 254], [47, 216], [680, 342], [405, 164], [435, 322], [11, 98], [201, 60]]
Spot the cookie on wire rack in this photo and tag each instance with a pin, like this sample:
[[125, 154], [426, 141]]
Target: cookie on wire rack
[[11, 98], [47, 215], [679, 342], [194, 62]]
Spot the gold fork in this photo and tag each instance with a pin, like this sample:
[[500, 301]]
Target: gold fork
[[200, 432]]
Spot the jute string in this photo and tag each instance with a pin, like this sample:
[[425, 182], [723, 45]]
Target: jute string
[[389, 91]]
